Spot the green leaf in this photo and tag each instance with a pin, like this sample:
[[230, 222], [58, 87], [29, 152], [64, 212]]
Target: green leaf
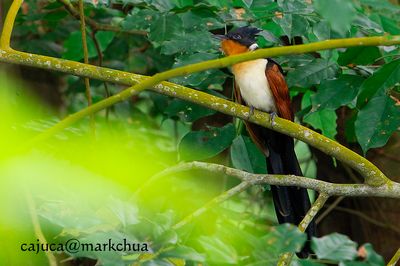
[[165, 28], [202, 78], [73, 45], [380, 82], [339, 13], [312, 73], [199, 145], [323, 119], [373, 258], [186, 111], [332, 94], [305, 262], [104, 38], [334, 247], [282, 238], [359, 56], [246, 156], [188, 42], [140, 19], [218, 251], [376, 122], [126, 212], [183, 252]]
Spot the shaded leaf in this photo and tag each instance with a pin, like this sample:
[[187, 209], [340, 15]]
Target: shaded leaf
[[183, 252], [380, 82], [282, 238], [363, 55], [323, 119], [332, 94], [198, 145], [334, 247], [166, 27], [218, 251], [329, 10], [188, 112], [246, 156], [312, 73], [376, 122]]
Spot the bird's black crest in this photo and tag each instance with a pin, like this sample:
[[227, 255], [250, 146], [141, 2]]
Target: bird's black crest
[[244, 35]]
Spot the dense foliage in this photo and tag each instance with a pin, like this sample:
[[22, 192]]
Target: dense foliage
[[151, 36]]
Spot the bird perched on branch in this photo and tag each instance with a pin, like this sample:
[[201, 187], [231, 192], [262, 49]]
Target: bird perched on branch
[[260, 84]]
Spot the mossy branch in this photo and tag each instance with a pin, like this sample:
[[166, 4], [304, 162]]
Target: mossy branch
[[326, 188], [372, 175]]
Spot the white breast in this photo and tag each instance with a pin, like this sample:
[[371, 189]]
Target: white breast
[[253, 84]]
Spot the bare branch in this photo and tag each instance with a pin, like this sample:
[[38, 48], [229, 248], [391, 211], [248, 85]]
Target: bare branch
[[391, 190]]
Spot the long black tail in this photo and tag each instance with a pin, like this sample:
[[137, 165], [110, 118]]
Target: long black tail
[[291, 203]]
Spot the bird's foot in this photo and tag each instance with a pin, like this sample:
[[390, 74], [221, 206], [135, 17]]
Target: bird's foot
[[272, 116], [251, 112]]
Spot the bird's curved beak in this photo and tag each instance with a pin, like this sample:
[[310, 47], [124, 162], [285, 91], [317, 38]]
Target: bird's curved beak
[[220, 37]]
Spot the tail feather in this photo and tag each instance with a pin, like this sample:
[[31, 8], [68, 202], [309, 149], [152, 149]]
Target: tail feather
[[291, 203]]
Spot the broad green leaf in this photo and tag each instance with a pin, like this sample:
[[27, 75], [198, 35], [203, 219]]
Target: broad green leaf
[[312, 73], [73, 45], [376, 122], [366, 24], [373, 258], [305, 262], [389, 25], [330, 11], [183, 252], [363, 55], [199, 145], [282, 238], [380, 82], [334, 247], [188, 42], [218, 251], [201, 78], [246, 156], [332, 94], [165, 28], [186, 111], [104, 38], [292, 25], [182, 3], [127, 213], [140, 19], [323, 119]]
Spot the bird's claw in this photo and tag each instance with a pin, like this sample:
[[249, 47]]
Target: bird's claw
[[251, 112], [272, 116]]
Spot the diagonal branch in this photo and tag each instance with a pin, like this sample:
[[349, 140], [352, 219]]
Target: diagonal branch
[[330, 189]]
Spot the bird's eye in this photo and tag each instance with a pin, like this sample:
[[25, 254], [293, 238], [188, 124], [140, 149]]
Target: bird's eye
[[237, 37]]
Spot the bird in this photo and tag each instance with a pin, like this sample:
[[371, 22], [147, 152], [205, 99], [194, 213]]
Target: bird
[[260, 84]]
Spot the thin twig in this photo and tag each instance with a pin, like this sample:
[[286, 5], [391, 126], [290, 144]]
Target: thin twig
[[36, 227], [86, 61], [221, 198], [368, 219], [98, 26], [329, 209], [395, 259], [286, 258]]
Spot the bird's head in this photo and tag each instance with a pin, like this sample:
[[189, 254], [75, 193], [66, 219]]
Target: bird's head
[[239, 40]]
